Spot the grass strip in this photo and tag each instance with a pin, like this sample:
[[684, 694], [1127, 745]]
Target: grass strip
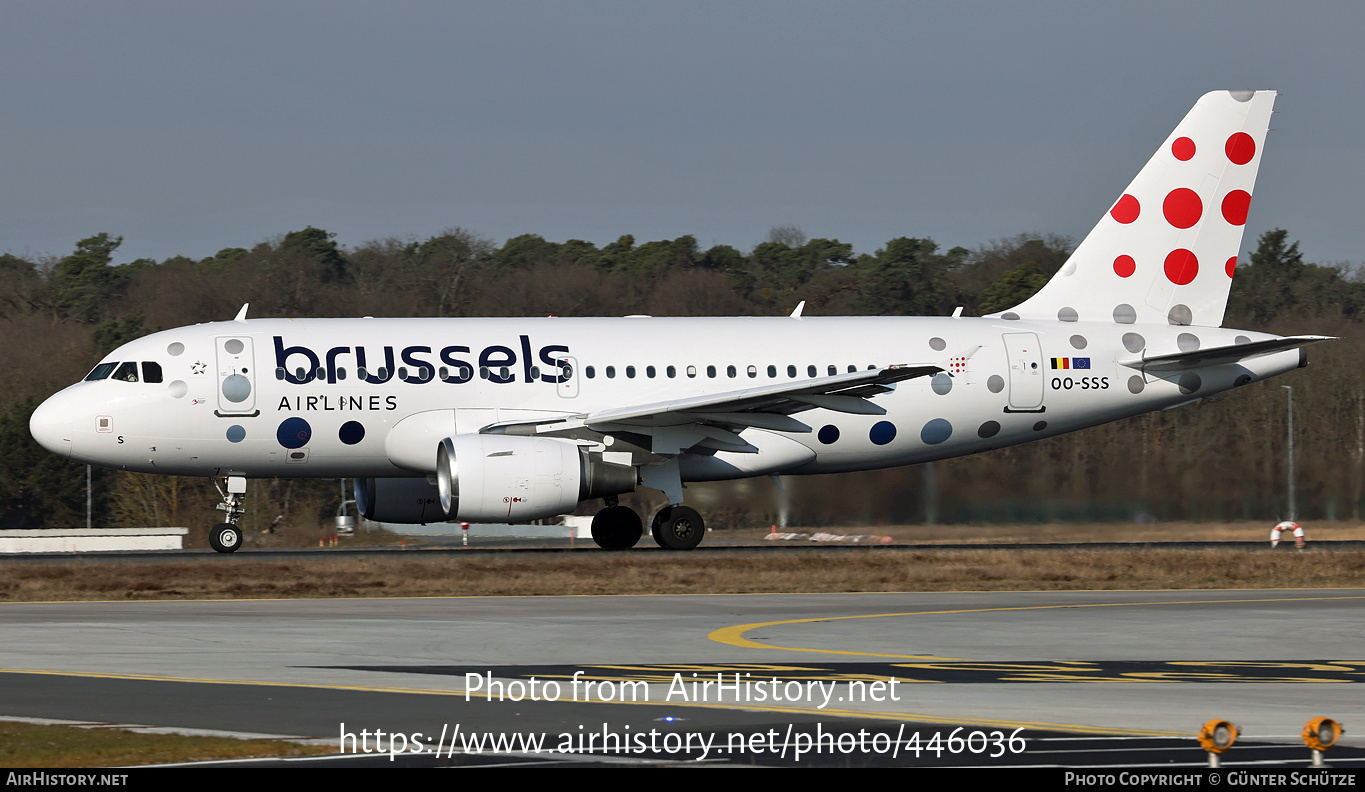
[[418, 575], [42, 745]]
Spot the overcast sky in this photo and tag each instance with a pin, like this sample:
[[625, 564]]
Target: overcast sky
[[189, 127]]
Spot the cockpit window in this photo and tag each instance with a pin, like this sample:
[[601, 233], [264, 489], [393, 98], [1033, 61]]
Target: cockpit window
[[151, 372], [100, 372], [126, 372]]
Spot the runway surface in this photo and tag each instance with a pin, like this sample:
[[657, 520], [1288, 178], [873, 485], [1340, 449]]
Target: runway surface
[[1089, 677]]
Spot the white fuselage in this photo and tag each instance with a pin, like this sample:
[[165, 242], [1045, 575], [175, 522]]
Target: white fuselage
[[1007, 382]]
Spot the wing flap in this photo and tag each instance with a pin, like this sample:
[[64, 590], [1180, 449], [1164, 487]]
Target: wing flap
[[765, 401]]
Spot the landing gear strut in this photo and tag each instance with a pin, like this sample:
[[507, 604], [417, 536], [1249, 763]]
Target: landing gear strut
[[226, 537], [616, 527], [678, 528]]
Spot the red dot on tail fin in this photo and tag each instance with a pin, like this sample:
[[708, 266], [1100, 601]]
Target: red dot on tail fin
[[1126, 210], [1240, 148], [1235, 206], [1183, 207], [1181, 266]]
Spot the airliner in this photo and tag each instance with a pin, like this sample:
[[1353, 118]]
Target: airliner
[[518, 419]]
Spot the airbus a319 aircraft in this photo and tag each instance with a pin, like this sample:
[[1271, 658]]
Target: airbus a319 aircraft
[[512, 420]]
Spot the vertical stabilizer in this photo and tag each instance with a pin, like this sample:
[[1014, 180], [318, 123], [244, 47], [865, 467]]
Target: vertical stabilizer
[[1165, 252]]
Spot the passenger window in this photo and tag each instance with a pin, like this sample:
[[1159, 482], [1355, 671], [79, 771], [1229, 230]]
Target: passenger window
[[811, 371], [102, 371], [791, 371], [730, 371], [672, 372], [443, 372], [753, 370], [630, 372], [590, 372], [611, 372], [321, 373], [151, 372], [711, 372], [691, 371], [649, 372], [832, 370], [535, 372], [483, 372], [852, 369], [126, 372], [772, 371], [360, 372], [403, 373], [279, 373]]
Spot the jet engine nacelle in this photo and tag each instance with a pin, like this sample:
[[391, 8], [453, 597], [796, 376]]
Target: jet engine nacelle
[[512, 478], [398, 500]]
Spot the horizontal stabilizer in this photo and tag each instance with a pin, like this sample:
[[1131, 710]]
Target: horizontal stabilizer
[[1218, 356]]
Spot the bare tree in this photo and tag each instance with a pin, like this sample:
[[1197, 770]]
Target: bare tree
[[789, 235]]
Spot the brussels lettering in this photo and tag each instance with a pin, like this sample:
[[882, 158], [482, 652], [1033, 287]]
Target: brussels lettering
[[417, 365]]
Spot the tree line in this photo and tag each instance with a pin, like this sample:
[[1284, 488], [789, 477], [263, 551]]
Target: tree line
[[1222, 458]]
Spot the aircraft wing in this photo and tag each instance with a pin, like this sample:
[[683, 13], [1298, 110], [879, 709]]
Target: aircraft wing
[[1217, 356], [714, 420]]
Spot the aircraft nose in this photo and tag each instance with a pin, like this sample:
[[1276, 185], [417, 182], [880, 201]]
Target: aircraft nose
[[51, 425]]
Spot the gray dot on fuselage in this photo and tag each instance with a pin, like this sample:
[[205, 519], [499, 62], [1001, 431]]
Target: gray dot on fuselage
[[941, 383], [995, 383], [1078, 342], [937, 344], [1136, 384], [236, 388], [936, 431], [1134, 342], [1190, 382], [1124, 314], [1188, 342], [1180, 315]]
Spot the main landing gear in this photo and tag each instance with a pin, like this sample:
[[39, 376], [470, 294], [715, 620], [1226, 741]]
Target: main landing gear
[[226, 537], [678, 528], [616, 527], [674, 527]]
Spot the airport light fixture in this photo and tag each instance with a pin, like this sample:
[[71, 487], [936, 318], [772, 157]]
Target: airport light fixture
[[1320, 734], [1215, 737]]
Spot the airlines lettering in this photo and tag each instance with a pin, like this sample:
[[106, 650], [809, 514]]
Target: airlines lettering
[[333, 403], [302, 365]]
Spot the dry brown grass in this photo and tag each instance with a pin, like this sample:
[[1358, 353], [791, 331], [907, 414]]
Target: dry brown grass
[[418, 574], [1081, 532]]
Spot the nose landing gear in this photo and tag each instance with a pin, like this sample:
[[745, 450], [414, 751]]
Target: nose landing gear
[[226, 537]]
